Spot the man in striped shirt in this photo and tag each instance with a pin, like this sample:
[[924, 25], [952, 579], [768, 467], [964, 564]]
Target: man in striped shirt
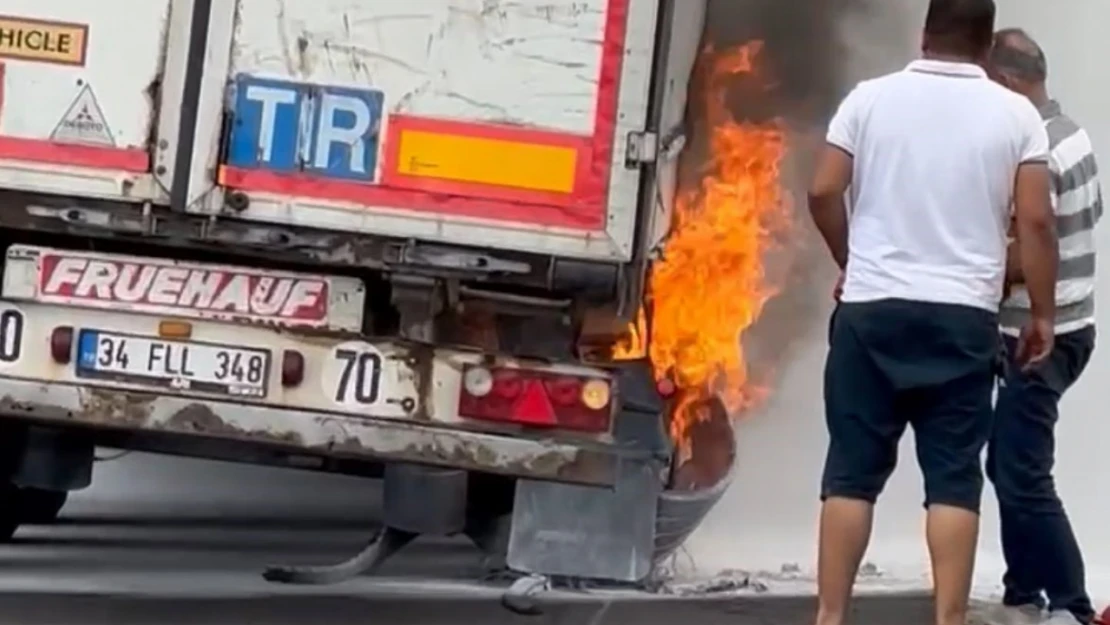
[[1042, 556]]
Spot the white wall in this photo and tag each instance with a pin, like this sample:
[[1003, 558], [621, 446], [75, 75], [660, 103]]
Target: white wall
[[768, 518]]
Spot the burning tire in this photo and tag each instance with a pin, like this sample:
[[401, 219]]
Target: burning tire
[[680, 512], [700, 475], [696, 484]]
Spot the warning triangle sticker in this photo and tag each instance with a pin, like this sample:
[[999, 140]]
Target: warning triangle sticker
[[533, 408], [84, 122]]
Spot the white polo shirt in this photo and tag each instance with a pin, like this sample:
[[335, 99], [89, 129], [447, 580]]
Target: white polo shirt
[[936, 148]]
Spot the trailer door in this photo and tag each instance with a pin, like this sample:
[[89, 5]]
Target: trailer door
[[80, 86], [500, 124]]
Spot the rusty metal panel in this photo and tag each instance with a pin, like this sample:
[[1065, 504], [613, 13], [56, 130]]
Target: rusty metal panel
[[323, 434]]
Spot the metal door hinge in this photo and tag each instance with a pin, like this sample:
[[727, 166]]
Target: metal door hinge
[[642, 149]]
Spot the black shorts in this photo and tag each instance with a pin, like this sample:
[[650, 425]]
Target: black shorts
[[897, 362]]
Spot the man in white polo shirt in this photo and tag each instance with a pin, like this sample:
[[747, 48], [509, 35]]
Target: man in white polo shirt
[[934, 156]]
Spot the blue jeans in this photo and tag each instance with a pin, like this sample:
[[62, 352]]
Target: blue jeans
[[1042, 555]]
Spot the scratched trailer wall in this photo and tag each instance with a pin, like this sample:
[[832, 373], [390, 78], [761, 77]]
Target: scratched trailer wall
[[446, 68], [443, 120], [428, 59], [763, 524]]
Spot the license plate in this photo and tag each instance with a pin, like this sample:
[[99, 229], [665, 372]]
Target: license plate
[[176, 365]]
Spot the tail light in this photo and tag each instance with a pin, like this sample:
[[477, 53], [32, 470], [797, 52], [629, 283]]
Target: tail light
[[292, 368], [536, 398], [61, 344]]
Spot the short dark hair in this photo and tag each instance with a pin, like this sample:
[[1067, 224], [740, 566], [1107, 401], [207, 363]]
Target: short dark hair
[[1015, 52], [964, 27]]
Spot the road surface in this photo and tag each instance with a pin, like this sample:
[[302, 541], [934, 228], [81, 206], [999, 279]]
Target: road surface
[[175, 541]]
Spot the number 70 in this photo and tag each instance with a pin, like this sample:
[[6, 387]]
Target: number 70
[[366, 369]]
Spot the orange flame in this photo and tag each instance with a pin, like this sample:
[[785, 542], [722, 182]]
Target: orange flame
[[709, 287], [633, 344]]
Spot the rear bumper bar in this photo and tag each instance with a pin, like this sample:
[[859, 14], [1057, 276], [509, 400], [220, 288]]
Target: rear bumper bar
[[315, 433]]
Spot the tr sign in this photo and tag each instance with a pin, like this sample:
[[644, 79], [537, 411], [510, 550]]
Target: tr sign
[[331, 132]]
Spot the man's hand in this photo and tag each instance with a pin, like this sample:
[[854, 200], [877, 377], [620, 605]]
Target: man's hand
[[1035, 343], [838, 290]]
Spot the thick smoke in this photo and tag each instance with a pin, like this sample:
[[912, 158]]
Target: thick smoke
[[814, 52], [816, 49]]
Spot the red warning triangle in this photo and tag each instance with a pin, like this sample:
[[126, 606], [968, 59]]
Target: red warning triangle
[[533, 407]]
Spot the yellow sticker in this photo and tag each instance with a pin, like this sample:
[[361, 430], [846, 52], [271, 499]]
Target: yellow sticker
[[39, 40], [529, 166]]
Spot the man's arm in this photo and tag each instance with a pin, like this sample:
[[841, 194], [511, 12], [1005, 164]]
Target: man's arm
[[1035, 222], [1013, 254], [832, 178], [826, 201]]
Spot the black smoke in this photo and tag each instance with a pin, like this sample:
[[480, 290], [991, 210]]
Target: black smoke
[[814, 50]]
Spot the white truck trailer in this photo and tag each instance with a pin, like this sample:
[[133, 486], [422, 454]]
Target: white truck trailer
[[347, 235]]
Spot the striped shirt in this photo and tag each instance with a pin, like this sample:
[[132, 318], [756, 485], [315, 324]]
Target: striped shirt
[[1077, 200]]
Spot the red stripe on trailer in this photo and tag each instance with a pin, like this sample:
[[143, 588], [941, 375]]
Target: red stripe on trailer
[[134, 160]]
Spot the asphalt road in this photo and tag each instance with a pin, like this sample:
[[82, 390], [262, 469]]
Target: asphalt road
[[165, 540]]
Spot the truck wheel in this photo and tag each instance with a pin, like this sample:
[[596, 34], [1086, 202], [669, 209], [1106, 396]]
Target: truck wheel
[[39, 505]]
